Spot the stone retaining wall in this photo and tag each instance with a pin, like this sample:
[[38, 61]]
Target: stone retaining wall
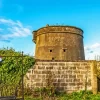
[[65, 76]]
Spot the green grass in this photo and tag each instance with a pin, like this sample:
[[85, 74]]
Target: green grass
[[82, 95]]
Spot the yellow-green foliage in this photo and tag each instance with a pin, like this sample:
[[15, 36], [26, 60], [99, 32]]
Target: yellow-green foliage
[[11, 68], [82, 95]]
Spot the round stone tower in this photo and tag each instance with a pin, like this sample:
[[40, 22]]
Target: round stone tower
[[59, 43]]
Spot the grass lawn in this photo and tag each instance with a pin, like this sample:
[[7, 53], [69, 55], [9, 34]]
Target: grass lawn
[[74, 96]]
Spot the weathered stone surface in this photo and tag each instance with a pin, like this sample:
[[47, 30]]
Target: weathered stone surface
[[59, 43], [61, 76]]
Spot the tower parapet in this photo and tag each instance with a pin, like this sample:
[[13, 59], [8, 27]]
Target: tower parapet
[[57, 29]]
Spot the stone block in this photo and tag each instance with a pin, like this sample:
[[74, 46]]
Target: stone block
[[37, 72], [34, 76], [53, 64], [60, 88], [80, 76], [62, 64], [79, 83], [45, 72], [57, 75], [64, 76], [69, 72], [87, 67], [37, 80], [41, 67], [59, 72], [55, 80], [61, 80], [76, 71], [56, 84], [39, 84], [72, 68], [69, 80], [50, 67], [83, 72], [80, 68], [76, 80], [64, 67], [72, 76], [59, 67], [41, 76], [72, 84], [64, 84]]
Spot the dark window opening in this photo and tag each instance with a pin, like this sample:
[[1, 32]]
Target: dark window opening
[[64, 50], [53, 58], [50, 50]]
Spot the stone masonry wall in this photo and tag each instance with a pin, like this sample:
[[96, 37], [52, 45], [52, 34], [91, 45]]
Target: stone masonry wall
[[59, 43], [65, 76]]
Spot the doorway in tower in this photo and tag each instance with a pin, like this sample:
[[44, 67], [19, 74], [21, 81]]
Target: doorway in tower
[[64, 54], [53, 58]]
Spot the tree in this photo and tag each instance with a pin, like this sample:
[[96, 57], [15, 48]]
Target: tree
[[11, 68]]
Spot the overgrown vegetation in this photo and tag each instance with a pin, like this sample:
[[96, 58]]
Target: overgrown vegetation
[[44, 93], [11, 70], [50, 92], [82, 95]]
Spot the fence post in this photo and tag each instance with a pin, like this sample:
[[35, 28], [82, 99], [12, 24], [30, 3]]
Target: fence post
[[94, 77], [22, 79]]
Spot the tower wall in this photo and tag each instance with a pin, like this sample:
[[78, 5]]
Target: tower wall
[[59, 43]]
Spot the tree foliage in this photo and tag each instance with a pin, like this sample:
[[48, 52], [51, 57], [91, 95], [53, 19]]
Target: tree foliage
[[11, 67]]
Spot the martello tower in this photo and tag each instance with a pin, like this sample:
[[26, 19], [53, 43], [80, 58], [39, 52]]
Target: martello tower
[[59, 43]]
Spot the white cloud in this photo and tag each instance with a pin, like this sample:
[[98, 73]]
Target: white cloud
[[13, 29], [92, 51], [94, 46]]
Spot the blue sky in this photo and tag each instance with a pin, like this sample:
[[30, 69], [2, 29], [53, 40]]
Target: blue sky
[[18, 18]]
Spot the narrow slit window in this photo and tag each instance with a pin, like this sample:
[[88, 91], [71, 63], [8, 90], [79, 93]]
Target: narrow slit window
[[64, 50], [50, 50]]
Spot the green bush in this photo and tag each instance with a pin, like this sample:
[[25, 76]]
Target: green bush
[[82, 95]]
